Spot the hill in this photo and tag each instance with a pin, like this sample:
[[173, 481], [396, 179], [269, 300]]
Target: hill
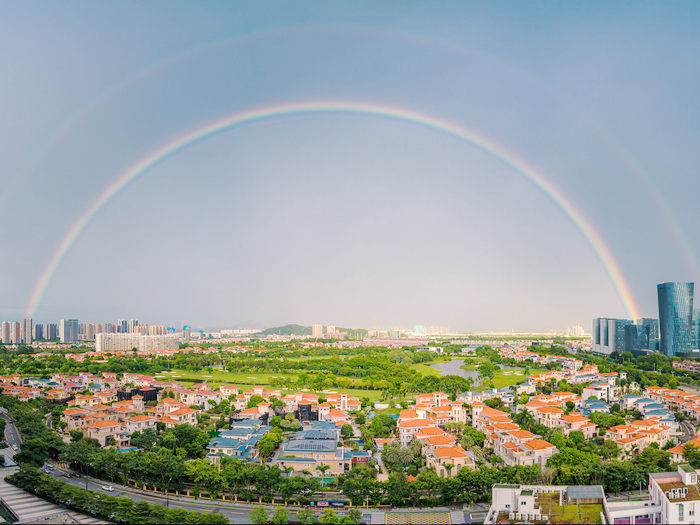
[[288, 329], [296, 329]]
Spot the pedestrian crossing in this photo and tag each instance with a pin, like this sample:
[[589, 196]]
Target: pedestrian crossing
[[32, 509]]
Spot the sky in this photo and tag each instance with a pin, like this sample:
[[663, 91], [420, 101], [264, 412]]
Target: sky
[[353, 219]]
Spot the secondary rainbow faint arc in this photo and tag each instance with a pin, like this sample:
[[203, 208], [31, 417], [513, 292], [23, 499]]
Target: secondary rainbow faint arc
[[237, 119]]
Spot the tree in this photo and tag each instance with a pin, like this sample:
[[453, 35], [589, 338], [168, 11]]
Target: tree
[[33, 451], [494, 402], [269, 443], [145, 439], [360, 419], [76, 435], [329, 517], [609, 449], [346, 431], [355, 515], [258, 516], [280, 516], [254, 400], [691, 455], [322, 468], [306, 516]]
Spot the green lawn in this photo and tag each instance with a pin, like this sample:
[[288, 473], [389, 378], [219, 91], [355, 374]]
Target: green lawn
[[425, 369], [504, 378], [223, 376], [245, 378]]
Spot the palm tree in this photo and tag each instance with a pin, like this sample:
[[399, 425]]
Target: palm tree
[[322, 468], [448, 468]]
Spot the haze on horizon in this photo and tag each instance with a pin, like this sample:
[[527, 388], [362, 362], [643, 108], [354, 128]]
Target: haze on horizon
[[348, 219]]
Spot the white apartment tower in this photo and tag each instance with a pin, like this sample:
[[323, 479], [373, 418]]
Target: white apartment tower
[[15, 333], [317, 331], [6, 333], [27, 331]]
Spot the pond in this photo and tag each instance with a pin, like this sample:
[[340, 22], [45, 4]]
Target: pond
[[453, 368]]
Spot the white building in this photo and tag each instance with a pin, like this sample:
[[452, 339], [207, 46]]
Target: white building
[[27, 331], [120, 342], [15, 333], [317, 331], [6, 340]]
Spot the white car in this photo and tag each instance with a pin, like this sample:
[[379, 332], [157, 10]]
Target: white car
[[108, 488]]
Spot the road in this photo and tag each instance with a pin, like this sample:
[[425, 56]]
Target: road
[[235, 512], [688, 431], [11, 433]]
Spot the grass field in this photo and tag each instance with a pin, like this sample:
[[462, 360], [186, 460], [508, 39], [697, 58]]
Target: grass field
[[504, 378], [252, 379], [220, 376], [425, 369]]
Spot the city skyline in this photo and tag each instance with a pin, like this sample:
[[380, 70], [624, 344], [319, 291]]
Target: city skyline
[[485, 168]]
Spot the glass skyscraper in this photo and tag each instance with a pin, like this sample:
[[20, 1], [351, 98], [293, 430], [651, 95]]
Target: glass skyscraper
[[675, 317], [636, 337]]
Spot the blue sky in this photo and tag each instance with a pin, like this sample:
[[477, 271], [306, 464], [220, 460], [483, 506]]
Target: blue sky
[[348, 219]]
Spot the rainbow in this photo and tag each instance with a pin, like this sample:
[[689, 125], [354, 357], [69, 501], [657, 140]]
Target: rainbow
[[255, 115]]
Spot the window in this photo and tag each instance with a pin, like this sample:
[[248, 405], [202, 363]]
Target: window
[[681, 510]]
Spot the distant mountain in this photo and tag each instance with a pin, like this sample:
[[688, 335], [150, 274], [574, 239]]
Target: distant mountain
[[296, 329], [288, 329]]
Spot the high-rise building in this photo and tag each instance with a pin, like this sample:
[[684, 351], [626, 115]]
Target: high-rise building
[[6, 340], [186, 332], [317, 331], [126, 342], [131, 326], [50, 331], [157, 329], [652, 331], [675, 317], [15, 333], [696, 329], [331, 332], [121, 326], [90, 331], [68, 330], [38, 331], [27, 330], [636, 338], [609, 335], [109, 328]]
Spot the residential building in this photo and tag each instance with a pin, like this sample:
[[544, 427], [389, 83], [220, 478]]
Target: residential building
[[124, 342], [240, 441], [448, 460], [317, 331], [675, 317], [15, 333], [27, 331], [6, 338], [520, 504], [310, 449]]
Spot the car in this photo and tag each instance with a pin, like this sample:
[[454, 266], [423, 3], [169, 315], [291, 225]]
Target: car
[[67, 475], [75, 475], [108, 488]]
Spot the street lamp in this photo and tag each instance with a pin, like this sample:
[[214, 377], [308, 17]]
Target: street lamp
[[167, 503]]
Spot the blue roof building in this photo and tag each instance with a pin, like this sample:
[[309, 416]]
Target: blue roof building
[[240, 441]]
